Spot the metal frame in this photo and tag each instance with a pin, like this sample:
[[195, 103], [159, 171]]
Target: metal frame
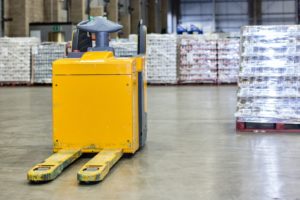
[[234, 17]]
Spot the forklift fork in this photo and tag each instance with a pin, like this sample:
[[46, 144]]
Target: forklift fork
[[53, 166], [94, 170], [98, 167]]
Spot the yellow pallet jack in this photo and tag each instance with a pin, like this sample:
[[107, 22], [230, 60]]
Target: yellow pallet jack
[[99, 104]]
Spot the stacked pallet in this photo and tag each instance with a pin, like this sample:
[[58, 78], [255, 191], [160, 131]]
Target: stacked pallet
[[228, 60], [161, 59], [124, 47], [197, 59], [43, 56], [15, 59], [269, 75]]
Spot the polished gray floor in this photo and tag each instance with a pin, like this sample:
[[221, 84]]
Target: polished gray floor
[[193, 152]]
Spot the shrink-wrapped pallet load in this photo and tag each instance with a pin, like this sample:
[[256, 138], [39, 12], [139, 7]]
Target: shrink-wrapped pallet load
[[124, 47], [228, 60], [15, 59], [161, 59], [197, 59], [43, 56], [269, 90]]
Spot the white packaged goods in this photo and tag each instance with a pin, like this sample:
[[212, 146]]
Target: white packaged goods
[[228, 60], [198, 59], [269, 89], [43, 56], [133, 37], [15, 59], [124, 47], [161, 58]]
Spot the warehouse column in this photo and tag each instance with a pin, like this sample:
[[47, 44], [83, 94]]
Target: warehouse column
[[16, 16], [254, 7], [97, 11], [173, 15], [20, 14], [56, 11], [154, 14], [164, 15], [17, 11], [213, 15], [144, 12], [77, 11], [170, 27], [113, 13], [1, 18], [138, 11], [297, 9], [135, 6], [6, 17], [151, 16], [125, 17], [158, 16]]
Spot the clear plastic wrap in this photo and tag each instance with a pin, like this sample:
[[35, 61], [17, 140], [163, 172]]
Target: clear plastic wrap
[[197, 59], [15, 59], [43, 56], [161, 59], [228, 60], [124, 47], [269, 77]]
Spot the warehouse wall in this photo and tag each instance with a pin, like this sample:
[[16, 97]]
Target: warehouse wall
[[78, 11], [230, 15], [126, 12], [34, 11], [22, 14], [6, 14], [54, 12], [17, 11], [279, 12]]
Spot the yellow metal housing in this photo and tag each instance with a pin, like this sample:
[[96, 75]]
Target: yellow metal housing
[[95, 103]]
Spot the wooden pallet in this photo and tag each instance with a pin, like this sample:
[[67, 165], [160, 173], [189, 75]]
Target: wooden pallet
[[223, 83], [267, 127], [42, 84], [191, 84], [14, 83], [162, 84], [196, 84]]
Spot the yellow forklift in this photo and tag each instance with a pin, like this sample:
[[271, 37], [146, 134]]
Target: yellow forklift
[[99, 104]]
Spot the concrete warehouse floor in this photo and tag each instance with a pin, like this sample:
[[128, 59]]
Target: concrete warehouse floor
[[192, 152]]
